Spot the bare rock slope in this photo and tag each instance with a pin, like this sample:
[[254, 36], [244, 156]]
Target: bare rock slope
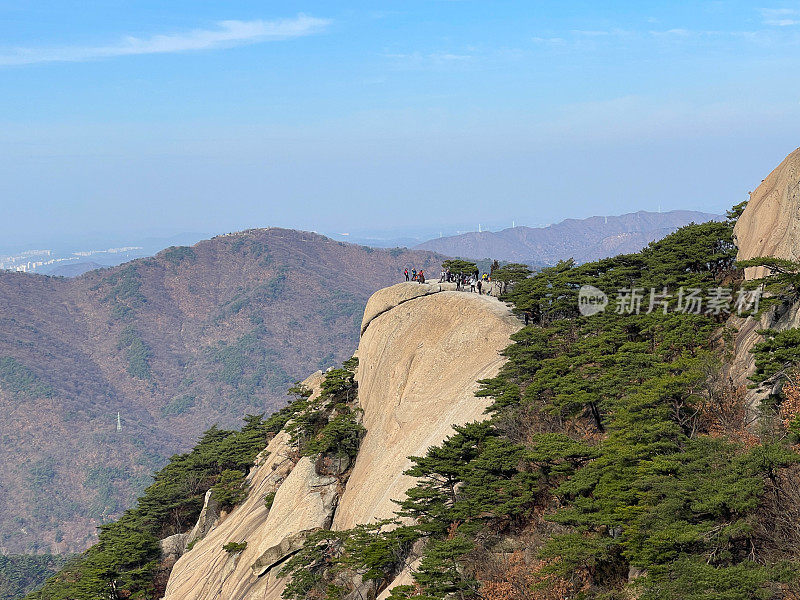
[[770, 224], [208, 571], [421, 352], [420, 363]]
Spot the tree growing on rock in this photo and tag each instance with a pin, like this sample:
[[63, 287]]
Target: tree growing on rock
[[460, 266], [510, 274]]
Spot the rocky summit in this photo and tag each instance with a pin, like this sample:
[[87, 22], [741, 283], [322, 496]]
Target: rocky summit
[[770, 224], [420, 356], [484, 448]]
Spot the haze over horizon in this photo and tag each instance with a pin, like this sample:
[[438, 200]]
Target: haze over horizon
[[160, 238], [156, 120], [419, 299]]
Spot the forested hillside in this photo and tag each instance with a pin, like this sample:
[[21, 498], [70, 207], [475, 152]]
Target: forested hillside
[[126, 562], [193, 337], [618, 459], [22, 573], [618, 462]]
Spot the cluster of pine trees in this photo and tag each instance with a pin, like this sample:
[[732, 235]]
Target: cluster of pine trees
[[126, 560], [127, 554], [619, 460], [21, 573]]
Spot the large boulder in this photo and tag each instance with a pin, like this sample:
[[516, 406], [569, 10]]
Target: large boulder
[[387, 298], [421, 353], [770, 224], [304, 502], [275, 555], [419, 363]]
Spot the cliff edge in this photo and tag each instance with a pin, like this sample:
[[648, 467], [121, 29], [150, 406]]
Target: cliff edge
[[420, 363], [770, 224], [421, 353]]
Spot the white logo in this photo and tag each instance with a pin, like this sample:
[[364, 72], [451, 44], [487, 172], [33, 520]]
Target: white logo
[[591, 300]]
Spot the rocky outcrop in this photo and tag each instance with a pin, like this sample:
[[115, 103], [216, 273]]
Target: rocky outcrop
[[742, 365], [391, 297], [207, 571], [770, 224], [304, 502], [388, 298], [276, 555], [207, 519], [422, 350], [420, 363], [173, 547]]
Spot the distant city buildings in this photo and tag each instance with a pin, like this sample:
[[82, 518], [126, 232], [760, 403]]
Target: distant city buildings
[[109, 251], [33, 260]]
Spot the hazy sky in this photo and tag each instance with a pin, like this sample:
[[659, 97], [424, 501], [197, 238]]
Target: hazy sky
[[162, 117]]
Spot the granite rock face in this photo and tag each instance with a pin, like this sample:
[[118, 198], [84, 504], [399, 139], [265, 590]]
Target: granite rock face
[[422, 350], [207, 571], [420, 363], [770, 224]]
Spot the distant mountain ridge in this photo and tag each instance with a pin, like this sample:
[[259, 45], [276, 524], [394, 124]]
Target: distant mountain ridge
[[581, 239], [76, 269], [176, 343]]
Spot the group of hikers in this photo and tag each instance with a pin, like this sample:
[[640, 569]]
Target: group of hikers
[[475, 281], [418, 277]]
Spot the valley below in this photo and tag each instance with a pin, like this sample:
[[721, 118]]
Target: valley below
[[193, 337]]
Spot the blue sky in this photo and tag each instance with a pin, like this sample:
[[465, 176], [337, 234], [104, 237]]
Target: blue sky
[[163, 117]]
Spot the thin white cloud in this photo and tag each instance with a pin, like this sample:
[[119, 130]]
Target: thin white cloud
[[549, 41], [679, 32], [419, 60], [626, 33], [780, 17], [590, 39], [598, 32], [445, 56], [226, 35]]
